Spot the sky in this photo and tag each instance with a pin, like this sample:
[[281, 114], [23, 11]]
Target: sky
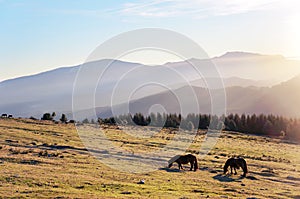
[[37, 36]]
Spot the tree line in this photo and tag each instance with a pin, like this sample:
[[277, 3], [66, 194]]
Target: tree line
[[262, 124], [50, 117], [250, 124]]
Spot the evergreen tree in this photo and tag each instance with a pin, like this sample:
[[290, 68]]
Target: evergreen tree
[[153, 120], [53, 115], [267, 128], [231, 126], [47, 116], [63, 118], [85, 121], [159, 120]]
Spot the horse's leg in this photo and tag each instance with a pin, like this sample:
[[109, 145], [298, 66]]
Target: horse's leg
[[235, 171], [191, 163], [244, 174], [179, 165], [231, 169]]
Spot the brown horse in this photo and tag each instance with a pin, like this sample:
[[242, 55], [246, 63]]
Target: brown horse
[[236, 163], [184, 159]]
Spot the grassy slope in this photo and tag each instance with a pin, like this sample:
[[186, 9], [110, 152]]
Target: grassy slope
[[40, 159]]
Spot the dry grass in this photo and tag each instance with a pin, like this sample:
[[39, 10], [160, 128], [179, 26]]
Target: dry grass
[[40, 159]]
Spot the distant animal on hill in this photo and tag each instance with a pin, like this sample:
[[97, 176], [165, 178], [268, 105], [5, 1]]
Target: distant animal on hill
[[10, 116], [184, 159], [236, 163], [4, 115]]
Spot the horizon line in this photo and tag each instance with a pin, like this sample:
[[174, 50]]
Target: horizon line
[[134, 62]]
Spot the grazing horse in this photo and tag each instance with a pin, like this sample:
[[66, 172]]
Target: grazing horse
[[184, 159], [236, 163]]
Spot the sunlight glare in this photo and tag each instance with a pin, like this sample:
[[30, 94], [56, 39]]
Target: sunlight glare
[[293, 35]]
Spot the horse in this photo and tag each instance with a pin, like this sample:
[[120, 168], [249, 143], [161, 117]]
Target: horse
[[236, 163], [184, 159]]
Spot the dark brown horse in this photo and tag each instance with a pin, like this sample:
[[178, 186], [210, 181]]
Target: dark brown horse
[[184, 159], [236, 163]]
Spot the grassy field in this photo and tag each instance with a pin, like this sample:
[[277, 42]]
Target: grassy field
[[46, 160]]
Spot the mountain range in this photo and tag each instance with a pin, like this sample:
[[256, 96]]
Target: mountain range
[[282, 99], [253, 83]]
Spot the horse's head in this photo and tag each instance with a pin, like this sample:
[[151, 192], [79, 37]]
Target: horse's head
[[227, 164], [225, 169], [172, 160]]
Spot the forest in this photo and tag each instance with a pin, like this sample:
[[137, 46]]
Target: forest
[[270, 125]]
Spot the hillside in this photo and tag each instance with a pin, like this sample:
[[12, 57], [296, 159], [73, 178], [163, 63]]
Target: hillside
[[53, 90], [282, 99], [256, 66], [43, 159]]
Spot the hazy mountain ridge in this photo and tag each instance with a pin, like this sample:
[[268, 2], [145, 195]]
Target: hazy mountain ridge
[[241, 54], [52, 90]]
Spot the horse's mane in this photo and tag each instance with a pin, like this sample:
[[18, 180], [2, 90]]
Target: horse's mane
[[172, 160]]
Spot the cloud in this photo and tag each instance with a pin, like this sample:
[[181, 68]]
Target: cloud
[[194, 8]]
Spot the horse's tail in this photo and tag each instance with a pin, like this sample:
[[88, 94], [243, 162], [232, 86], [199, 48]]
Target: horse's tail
[[195, 164], [226, 165]]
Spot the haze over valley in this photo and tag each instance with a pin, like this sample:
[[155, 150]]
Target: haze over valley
[[254, 84]]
